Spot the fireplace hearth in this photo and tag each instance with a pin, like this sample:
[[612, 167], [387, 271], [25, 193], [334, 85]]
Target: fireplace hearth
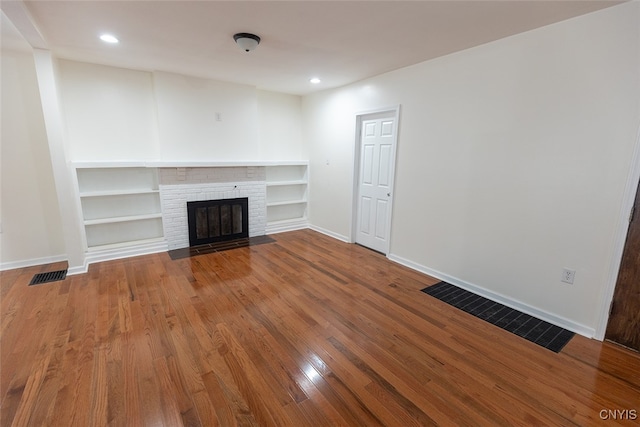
[[212, 221]]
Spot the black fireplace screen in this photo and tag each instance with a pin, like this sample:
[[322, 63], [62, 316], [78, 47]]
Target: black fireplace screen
[[213, 221]]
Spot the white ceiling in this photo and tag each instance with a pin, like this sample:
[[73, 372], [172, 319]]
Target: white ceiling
[[338, 41]]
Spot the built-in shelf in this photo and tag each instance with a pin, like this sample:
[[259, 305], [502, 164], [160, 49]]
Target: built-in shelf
[[288, 202], [287, 225], [124, 245], [129, 218], [118, 192], [187, 164], [281, 183], [121, 201], [286, 197], [120, 206]]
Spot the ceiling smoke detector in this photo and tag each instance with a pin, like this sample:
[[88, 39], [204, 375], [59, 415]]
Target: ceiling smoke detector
[[247, 41]]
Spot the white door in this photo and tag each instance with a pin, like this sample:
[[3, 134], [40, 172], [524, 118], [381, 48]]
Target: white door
[[377, 161]]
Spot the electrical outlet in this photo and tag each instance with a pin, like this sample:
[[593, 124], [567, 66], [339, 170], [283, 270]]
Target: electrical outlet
[[568, 275]]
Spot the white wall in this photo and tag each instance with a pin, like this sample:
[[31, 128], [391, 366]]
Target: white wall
[[115, 114], [109, 112], [512, 159], [31, 222], [280, 126], [188, 126]]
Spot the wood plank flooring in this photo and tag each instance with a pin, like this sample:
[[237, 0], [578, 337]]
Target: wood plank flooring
[[305, 331]]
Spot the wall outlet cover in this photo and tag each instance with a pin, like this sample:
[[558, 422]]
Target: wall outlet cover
[[568, 275]]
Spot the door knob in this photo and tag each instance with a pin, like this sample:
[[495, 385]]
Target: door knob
[[388, 194]]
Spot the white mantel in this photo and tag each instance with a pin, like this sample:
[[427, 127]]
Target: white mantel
[[183, 164]]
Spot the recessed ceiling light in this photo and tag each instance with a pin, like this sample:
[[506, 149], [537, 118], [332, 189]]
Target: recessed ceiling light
[[314, 80], [108, 38]]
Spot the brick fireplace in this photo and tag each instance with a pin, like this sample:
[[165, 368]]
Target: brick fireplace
[[191, 184], [213, 221]]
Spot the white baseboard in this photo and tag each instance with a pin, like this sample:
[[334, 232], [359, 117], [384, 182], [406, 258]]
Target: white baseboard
[[31, 262], [502, 299], [79, 269], [284, 226], [119, 253], [330, 233]]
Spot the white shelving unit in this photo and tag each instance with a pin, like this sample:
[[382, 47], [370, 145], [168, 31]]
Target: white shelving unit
[[286, 197], [120, 206]]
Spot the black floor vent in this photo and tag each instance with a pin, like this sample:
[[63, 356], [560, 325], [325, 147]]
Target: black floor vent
[[51, 276], [537, 331]]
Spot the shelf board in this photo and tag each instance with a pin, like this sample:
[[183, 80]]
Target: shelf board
[[186, 164], [286, 225], [117, 192], [287, 221], [122, 219], [109, 164], [280, 183], [287, 202], [127, 244]]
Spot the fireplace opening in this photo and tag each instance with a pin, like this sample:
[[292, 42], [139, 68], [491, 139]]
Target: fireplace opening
[[212, 221]]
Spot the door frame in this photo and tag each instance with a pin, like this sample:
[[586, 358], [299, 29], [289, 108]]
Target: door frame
[[393, 111], [620, 239]]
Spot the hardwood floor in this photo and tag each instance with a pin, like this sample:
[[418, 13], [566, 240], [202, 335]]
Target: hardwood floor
[[306, 331]]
